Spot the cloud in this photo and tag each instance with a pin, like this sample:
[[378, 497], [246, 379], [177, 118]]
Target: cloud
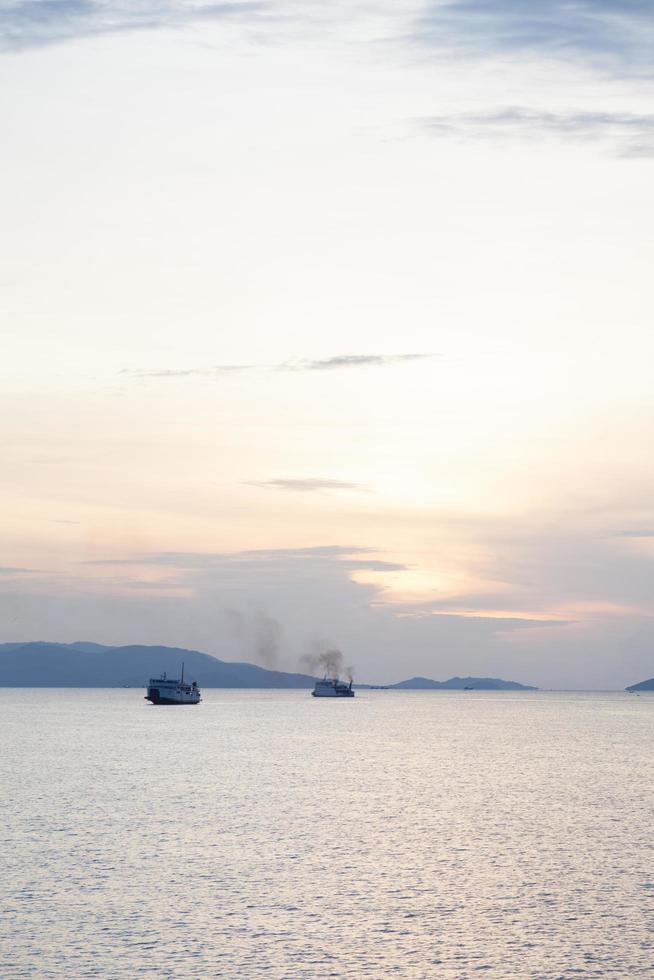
[[194, 559], [612, 35], [307, 485], [629, 134], [297, 364], [374, 565], [635, 533], [8, 570], [481, 604], [349, 361], [507, 623], [273, 605], [281, 603], [30, 23], [150, 585], [615, 35], [214, 371], [563, 568]]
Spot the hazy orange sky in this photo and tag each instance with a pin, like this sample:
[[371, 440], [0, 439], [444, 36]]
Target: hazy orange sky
[[331, 326]]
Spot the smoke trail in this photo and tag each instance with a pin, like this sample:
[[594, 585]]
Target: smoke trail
[[330, 663], [267, 635], [256, 636]]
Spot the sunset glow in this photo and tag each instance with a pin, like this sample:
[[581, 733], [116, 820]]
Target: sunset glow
[[302, 314]]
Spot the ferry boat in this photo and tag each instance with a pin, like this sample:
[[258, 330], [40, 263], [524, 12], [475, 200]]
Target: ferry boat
[[331, 687], [166, 690]]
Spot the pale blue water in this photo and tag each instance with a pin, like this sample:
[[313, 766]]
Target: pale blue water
[[267, 834]]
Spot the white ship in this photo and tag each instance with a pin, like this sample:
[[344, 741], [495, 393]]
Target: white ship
[[331, 687], [166, 690]]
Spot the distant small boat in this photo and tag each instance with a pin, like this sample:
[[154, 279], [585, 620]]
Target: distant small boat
[[166, 690], [331, 687]]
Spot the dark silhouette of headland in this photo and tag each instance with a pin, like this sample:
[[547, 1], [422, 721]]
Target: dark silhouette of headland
[[642, 686]]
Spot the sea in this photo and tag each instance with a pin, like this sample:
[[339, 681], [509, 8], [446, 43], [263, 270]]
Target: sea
[[268, 834]]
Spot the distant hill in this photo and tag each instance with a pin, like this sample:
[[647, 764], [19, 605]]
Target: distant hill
[[459, 684], [643, 686], [93, 665], [86, 664]]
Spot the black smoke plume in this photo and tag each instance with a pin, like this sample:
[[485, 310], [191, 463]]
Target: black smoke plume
[[331, 663]]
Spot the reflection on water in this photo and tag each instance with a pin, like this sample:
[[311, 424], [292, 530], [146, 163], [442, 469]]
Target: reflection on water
[[435, 835]]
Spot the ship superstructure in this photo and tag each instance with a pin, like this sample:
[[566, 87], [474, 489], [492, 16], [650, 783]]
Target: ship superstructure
[[332, 687]]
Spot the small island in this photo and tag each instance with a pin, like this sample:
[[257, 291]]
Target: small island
[[460, 684]]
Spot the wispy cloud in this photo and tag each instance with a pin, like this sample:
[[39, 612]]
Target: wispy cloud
[[29, 23], [307, 485], [9, 570], [612, 35], [615, 35], [196, 559], [373, 565], [335, 363], [511, 607], [635, 533], [628, 134], [215, 370], [503, 622], [350, 361]]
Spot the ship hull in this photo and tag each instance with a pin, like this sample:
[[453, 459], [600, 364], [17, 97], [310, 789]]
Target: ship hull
[[156, 696], [157, 700], [332, 694]]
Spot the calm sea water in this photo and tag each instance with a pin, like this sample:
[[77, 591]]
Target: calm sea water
[[267, 834]]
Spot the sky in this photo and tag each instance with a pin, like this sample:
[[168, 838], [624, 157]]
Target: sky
[[331, 326]]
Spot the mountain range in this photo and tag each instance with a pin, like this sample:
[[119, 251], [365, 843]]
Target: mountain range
[[86, 664]]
